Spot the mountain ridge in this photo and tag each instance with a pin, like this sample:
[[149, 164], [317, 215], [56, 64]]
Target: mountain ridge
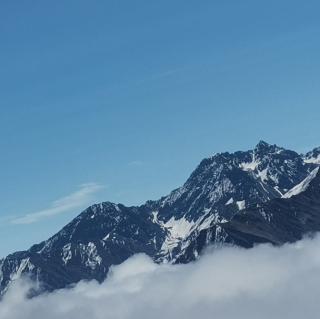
[[223, 195]]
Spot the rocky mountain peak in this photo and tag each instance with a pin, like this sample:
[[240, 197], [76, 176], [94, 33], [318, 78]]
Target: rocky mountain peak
[[265, 147], [236, 198]]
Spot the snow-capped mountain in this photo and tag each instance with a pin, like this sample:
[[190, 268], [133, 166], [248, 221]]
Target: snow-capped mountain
[[313, 156], [268, 194]]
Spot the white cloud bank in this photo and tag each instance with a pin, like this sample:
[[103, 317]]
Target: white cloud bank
[[77, 199], [261, 283]]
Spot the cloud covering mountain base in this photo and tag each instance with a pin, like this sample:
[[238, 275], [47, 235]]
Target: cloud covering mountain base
[[263, 282]]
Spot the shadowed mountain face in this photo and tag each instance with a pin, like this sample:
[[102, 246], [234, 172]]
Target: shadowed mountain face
[[268, 194]]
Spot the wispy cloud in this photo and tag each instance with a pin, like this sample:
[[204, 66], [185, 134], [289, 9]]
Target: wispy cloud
[[79, 198]]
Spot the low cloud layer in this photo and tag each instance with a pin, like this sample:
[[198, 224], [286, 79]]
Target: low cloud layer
[[260, 283], [79, 198]]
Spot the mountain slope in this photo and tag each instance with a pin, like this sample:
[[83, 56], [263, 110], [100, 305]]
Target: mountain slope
[[268, 194], [281, 220]]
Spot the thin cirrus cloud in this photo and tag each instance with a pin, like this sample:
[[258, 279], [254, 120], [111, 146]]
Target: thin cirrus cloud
[[83, 196]]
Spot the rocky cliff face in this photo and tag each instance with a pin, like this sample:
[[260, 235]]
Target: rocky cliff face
[[268, 194]]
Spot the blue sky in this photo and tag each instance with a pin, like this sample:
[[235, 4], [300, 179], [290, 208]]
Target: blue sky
[[120, 100]]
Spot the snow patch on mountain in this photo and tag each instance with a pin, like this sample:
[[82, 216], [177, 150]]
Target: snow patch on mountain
[[230, 201], [302, 186], [25, 265], [66, 253], [263, 175], [221, 188], [313, 160], [90, 255], [241, 204], [178, 229], [249, 166]]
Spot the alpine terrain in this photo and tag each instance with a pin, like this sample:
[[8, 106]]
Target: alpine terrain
[[265, 195]]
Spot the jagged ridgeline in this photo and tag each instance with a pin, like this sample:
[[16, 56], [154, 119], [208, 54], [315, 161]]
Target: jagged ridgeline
[[265, 195]]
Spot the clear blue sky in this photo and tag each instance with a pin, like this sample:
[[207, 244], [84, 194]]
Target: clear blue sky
[[127, 97]]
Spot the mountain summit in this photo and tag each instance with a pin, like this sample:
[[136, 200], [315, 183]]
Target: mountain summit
[[265, 195]]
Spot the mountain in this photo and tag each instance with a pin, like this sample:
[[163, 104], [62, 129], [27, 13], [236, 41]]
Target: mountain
[[265, 195]]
